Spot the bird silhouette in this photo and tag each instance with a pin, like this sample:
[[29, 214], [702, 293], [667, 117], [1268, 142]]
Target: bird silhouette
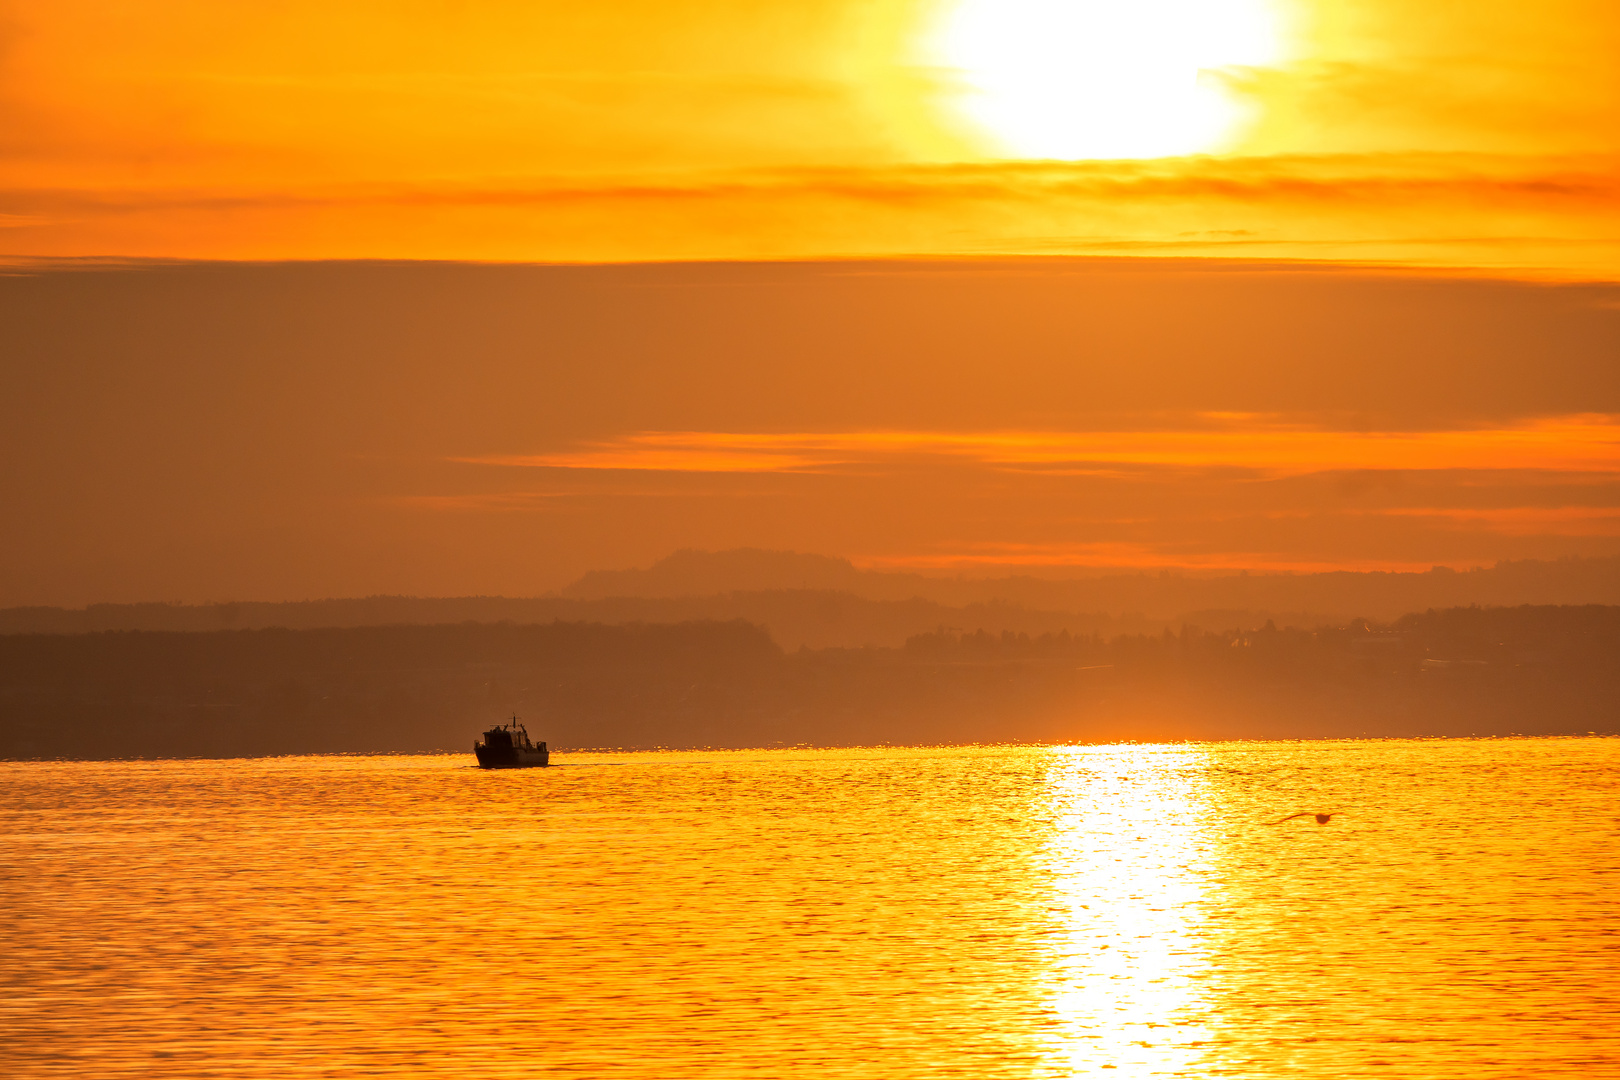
[[1321, 819]]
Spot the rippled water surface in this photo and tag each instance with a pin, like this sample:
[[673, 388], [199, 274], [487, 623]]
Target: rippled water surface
[[976, 912]]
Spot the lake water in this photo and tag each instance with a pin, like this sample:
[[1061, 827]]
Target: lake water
[[976, 912]]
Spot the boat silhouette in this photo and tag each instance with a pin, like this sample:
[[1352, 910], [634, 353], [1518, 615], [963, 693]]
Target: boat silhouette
[[507, 746]]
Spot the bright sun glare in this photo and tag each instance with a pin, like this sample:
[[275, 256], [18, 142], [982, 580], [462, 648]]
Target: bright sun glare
[[1072, 79]]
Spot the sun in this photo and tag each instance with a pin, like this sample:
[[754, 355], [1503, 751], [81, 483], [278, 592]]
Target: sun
[[1073, 79]]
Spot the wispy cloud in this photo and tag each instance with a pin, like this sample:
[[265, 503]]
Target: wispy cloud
[[1143, 556], [1557, 216], [530, 501], [1351, 179], [1584, 443]]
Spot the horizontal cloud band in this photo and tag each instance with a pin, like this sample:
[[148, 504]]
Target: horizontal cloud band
[[1582, 443]]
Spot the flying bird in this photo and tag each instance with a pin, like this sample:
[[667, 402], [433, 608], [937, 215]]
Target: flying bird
[[1321, 819]]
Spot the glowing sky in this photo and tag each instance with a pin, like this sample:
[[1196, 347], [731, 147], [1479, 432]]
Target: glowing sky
[[1481, 134], [1371, 320]]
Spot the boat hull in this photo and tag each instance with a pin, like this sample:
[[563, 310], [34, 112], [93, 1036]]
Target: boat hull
[[513, 757]]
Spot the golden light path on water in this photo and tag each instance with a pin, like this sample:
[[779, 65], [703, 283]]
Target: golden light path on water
[[1125, 860], [1025, 913]]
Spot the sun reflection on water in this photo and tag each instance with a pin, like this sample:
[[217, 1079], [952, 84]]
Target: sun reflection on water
[[1129, 844], [999, 913]]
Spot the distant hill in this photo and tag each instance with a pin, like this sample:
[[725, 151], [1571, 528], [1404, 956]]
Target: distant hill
[[795, 618], [1164, 596], [705, 573], [815, 601]]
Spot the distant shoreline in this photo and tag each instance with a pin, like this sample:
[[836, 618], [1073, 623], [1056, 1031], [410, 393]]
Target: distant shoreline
[[1461, 672], [470, 764]]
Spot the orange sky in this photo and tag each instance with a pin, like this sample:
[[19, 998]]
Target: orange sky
[[951, 284], [1483, 134], [216, 431]]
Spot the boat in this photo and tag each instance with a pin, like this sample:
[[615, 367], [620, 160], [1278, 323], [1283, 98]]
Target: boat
[[508, 747]]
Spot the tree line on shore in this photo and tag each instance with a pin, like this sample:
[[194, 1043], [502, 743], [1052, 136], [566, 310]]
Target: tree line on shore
[[1451, 672]]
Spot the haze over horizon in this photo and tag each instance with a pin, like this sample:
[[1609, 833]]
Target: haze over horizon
[[276, 432], [814, 601]]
